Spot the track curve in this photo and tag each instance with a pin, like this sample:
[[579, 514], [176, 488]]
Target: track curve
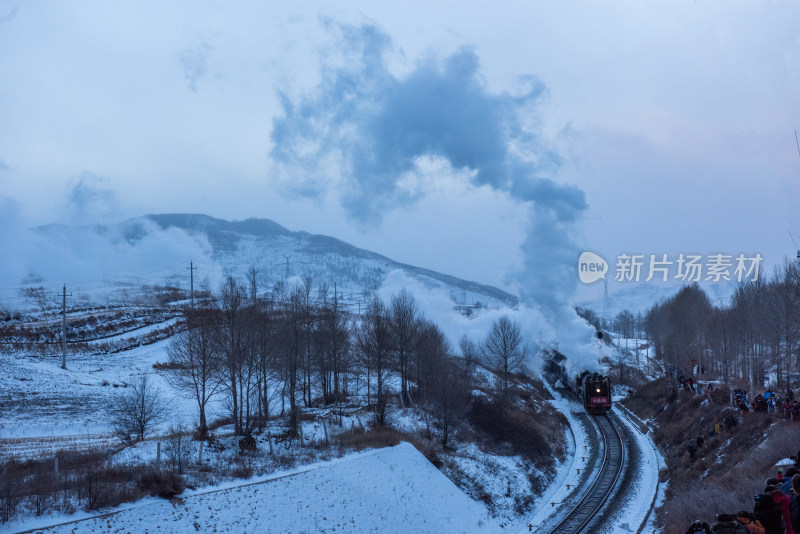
[[605, 482]]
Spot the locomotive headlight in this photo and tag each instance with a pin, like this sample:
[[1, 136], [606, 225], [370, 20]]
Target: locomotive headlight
[[598, 390]]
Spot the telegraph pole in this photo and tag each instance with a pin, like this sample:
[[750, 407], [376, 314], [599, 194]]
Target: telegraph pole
[[604, 321], [191, 268], [287, 265], [64, 327], [253, 272], [797, 142]]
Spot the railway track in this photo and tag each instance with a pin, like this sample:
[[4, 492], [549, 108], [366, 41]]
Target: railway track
[[603, 485]]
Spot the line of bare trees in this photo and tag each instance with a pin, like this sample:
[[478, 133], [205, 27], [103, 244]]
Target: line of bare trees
[[301, 347], [757, 332]]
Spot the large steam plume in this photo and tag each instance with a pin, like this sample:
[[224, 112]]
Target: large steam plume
[[363, 130]]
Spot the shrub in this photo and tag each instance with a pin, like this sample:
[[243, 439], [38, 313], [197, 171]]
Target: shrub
[[165, 485], [528, 435], [136, 411], [10, 496], [177, 449], [242, 471]]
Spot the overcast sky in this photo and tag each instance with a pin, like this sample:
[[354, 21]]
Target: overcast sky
[[676, 120]]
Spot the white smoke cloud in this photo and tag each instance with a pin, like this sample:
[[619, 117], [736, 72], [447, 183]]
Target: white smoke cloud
[[540, 329], [363, 131], [93, 255]]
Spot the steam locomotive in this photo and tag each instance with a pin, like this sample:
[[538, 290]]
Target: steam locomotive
[[594, 390]]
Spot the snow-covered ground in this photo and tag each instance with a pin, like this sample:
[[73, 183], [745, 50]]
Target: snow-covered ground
[[558, 490], [642, 494], [646, 488], [39, 399], [387, 490]]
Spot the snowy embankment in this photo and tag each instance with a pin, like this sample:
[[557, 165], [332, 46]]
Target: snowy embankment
[[642, 494], [563, 485], [387, 490], [646, 491]]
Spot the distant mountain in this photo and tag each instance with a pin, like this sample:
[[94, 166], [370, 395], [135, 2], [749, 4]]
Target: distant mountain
[[276, 253]]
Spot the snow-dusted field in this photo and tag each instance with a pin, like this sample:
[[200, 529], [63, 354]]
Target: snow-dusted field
[[387, 490], [40, 400]]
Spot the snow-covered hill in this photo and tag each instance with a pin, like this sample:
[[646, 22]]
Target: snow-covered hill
[[112, 261]]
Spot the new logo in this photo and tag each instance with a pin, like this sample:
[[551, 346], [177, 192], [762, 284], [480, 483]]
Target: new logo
[[591, 267]]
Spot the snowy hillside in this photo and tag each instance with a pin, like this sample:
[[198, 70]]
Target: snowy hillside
[[157, 249]]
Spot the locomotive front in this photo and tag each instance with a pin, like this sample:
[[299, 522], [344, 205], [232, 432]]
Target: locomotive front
[[597, 393]]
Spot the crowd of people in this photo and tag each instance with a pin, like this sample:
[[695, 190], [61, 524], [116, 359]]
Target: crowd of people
[[775, 511], [765, 402], [769, 401]]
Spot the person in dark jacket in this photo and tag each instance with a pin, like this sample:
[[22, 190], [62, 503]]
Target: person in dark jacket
[[699, 526], [786, 483], [692, 448], [794, 504], [769, 513], [728, 524]]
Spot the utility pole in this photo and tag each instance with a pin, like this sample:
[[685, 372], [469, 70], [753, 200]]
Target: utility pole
[[253, 282], [604, 321], [64, 327], [797, 142], [287, 264], [191, 268]]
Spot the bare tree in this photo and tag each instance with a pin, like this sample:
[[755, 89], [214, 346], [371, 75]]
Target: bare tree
[[195, 365], [140, 407], [431, 348], [504, 351], [447, 400], [231, 338], [332, 346], [292, 348], [405, 326], [177, 449], [309, 309], [470, 352], [266, 355], [624, 324], [374, 340]]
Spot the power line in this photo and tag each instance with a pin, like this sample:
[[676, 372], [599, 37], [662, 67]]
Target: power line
[[797, 141], [192, 269], [64, 329]]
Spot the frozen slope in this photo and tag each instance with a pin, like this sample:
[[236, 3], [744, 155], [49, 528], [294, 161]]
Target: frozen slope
[[387, 490]]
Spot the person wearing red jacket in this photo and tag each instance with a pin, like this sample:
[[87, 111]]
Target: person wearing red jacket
[[783, 500]]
